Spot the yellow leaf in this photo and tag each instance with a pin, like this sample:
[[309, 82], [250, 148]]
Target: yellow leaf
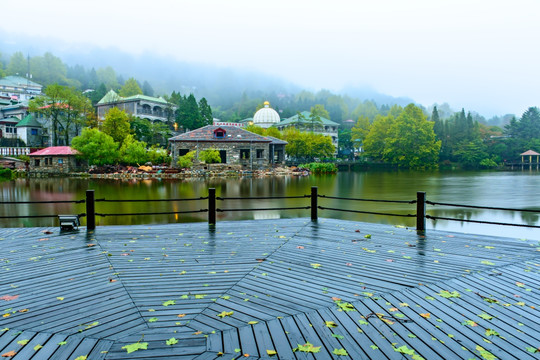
[[60, 298], [271, 352]]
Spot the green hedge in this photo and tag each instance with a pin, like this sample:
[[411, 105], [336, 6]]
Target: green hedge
[[320, 168]]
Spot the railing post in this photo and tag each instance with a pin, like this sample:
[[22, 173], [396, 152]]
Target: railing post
[[314, 206], [420, 211], [211, 206], [90, 210]]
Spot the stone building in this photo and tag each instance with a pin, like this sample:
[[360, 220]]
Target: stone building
[[236, 146], [55, 160], [142, 106]]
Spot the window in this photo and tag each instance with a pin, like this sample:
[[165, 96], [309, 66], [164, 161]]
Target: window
[[60, 161], [220, 134], [36, 162], [244, 154], [260, 153], [33, 131], [182, 152]]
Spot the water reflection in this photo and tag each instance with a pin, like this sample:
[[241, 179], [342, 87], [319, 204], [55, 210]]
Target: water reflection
[[500, 189]]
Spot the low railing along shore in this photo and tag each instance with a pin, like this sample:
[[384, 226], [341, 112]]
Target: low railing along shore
[[212, 209]]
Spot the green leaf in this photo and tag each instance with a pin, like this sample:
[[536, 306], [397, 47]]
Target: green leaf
[[330, 324], [340, 352], [374, 347], [412, 336], [337, 336], [485, 316], [486, 262], [135, 346], [154, 319], [315, 266], [225, 313], [532, 349], [447, 294], [23, 342], [307, 347], [363, 322], [61, 343], [37, 347], [491, 332], [237, 350], [485, 354], [345, 306], [170, 302], [171, 341], [404, 350]]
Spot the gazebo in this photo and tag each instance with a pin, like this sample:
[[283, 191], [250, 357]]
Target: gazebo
[[530, 154]]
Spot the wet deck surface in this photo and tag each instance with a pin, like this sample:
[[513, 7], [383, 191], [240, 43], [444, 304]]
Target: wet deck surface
[[267, 289]]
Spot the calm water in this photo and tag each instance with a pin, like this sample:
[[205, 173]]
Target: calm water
[[497, 189]]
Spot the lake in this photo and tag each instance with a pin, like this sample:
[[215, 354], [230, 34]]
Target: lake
[[516, 189]]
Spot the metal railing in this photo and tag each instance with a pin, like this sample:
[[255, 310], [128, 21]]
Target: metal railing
[[313, 206]]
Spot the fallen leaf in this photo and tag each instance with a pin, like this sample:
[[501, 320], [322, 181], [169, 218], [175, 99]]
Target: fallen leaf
[[330, 324], [171, 341], [9, 297], [340, 352], [271, 352], [225, 313], [23, 342], [135, 346], [426, 315], [37, 347], [170, 302], [9, 354], [181, 315], [308, 347]]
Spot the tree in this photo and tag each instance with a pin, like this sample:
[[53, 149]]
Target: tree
[[375, 140], [188, 113], [49, 69], [317, 112], [157, 155], [133, 152], [205, 111], [96, 147], [64, 108], [361, 129], [210, 156], [306, 146], [147, 89], [116, 125], [411, 141], [130, 88], [107, 76], [17, 65]]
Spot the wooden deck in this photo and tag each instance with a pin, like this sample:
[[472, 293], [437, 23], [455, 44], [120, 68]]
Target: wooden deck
[[264, 289]]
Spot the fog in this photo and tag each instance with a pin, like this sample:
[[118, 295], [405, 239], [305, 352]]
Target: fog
[[480, 55]]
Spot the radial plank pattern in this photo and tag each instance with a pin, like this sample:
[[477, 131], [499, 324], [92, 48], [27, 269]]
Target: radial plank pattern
[[287, 289]]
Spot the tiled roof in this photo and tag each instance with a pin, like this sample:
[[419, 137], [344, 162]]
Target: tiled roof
[[29, 120], [112, 96], [306, 114], [232, 134], [11, 119], [55, 150], [529, 152], [17, 81]]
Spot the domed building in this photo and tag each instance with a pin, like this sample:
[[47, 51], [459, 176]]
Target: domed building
[[266, 116]]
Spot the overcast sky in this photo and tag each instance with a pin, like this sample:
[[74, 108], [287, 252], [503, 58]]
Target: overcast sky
[[480, 55]]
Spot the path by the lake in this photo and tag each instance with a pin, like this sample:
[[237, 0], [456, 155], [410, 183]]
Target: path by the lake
[[279, 289]]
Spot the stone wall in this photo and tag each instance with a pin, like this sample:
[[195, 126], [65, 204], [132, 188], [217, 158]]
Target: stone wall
[[237, 153], [57, 165]]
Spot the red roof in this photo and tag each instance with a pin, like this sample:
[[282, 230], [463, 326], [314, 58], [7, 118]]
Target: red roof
[[55, 150]]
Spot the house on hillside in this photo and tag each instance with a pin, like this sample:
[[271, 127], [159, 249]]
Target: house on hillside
[[19, 88], [236, 146], [142, 106], [303, 123], [55, 160], [30, 131]]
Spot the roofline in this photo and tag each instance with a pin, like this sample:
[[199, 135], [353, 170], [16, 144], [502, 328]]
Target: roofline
[[222, 141]]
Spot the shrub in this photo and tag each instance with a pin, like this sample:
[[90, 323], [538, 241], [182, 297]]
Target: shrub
[[186, 161], [210, 156], [6, 174], [320, 168]]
